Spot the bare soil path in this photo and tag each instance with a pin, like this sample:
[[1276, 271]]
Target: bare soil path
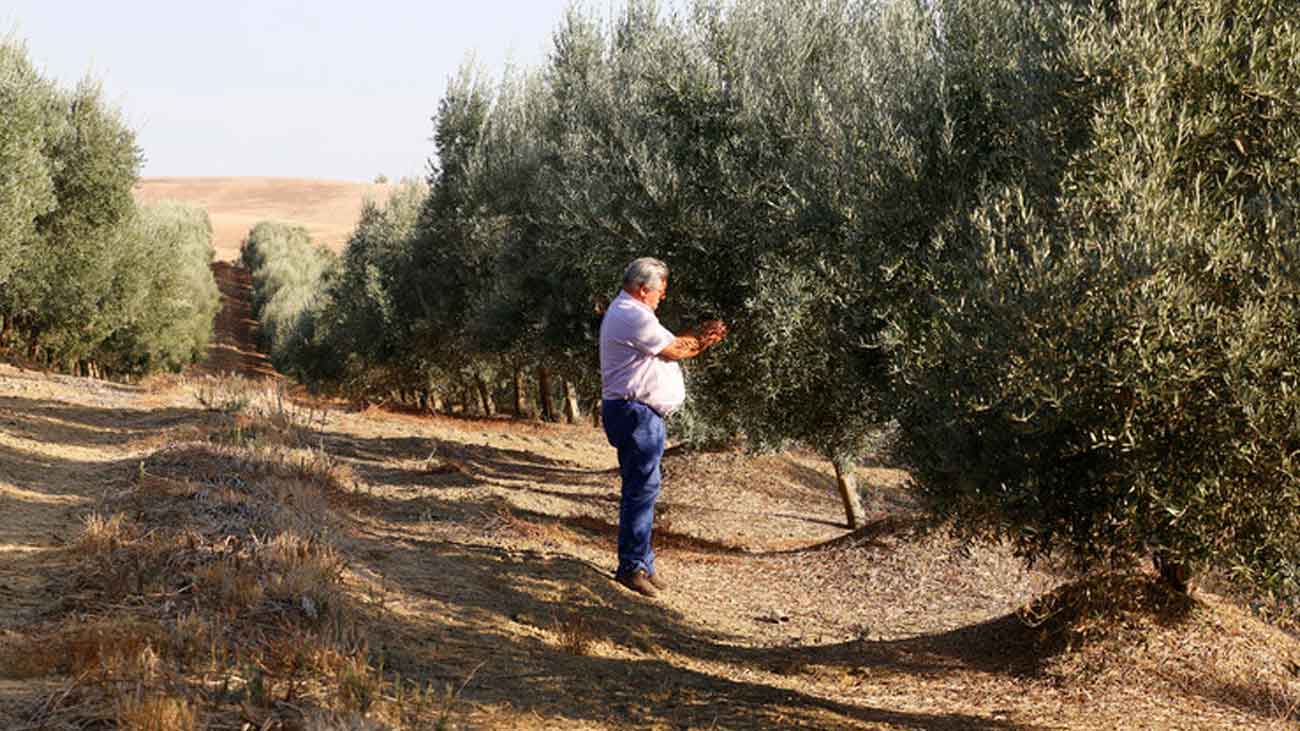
[[234, 348]]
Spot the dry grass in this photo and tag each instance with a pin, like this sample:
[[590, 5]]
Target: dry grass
[[1108, 608], [1130, 632], [502, 522], [264, 409], [101, 648], [574, 634], [221, 599], [224, 395], [240, 575], [329, 209], [157, 713], [103, 535]]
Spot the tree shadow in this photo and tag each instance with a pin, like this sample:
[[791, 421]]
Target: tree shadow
[[873, 534], [809, 479], [526, 669], [1275, 703], [481, 461], [57, 422], [40, 498], [652, 663], [601, 532]]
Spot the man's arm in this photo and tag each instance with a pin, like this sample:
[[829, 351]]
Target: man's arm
[[692, 342]]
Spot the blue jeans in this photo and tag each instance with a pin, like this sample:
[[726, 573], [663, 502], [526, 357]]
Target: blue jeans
[[637, 432]]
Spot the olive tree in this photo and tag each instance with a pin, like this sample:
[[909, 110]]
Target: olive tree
[[163, 297], [289, 274], [1109, 372], [353, 335], [793, 162], [27, 186], [450, 271], [57, 293]]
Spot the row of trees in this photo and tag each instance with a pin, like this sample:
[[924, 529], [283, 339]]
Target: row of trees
[[89, 282], [1052, 243], [287, 271]]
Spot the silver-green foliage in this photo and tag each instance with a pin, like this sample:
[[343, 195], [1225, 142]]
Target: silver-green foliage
[[356, 325], [1112, 370], [793, 161], [166, 292], [59, 291], [288, 274], [26, 187], [85, 276]]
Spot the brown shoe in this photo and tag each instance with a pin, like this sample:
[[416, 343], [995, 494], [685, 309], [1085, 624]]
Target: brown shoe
[[658, 581], [638, 581]]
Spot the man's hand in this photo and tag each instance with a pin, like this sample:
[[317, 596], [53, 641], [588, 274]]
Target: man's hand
[[694, 341], [712, 332]]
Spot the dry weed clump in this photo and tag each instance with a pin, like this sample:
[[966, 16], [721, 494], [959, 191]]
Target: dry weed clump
[[228, 395], [574, 634], [101, 649], [210, 593], [101, 534], [263, 410], [157, 713]]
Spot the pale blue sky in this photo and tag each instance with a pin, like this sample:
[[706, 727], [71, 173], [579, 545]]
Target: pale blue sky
[[337, 89]]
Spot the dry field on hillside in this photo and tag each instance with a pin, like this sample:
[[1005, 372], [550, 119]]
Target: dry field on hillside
[[327, 208], [207, 553]]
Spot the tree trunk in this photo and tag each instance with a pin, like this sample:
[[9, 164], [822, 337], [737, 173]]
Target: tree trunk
[[485, 396], [571, 412], [521, 405], [436, 406], [847, 482], [546, 397], [595, 412], [1175, 575]]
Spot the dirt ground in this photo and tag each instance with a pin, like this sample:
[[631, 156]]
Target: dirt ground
[[234, 343], [484, 549]]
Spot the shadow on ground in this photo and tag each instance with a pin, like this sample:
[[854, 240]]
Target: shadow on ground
[[56, 422], [512, 604], [490, 617]]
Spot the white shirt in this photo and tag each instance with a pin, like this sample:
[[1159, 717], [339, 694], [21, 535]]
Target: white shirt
[[631, 339]]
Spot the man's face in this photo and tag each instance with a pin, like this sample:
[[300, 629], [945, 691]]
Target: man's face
[[653, 295]]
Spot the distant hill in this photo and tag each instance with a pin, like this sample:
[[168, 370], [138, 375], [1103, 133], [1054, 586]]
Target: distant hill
[[327, 208]]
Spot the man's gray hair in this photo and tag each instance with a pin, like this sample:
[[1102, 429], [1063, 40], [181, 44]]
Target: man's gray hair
[[646, 271]]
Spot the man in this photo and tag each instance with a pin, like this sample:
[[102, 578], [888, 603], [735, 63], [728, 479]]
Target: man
[[641, 383]]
